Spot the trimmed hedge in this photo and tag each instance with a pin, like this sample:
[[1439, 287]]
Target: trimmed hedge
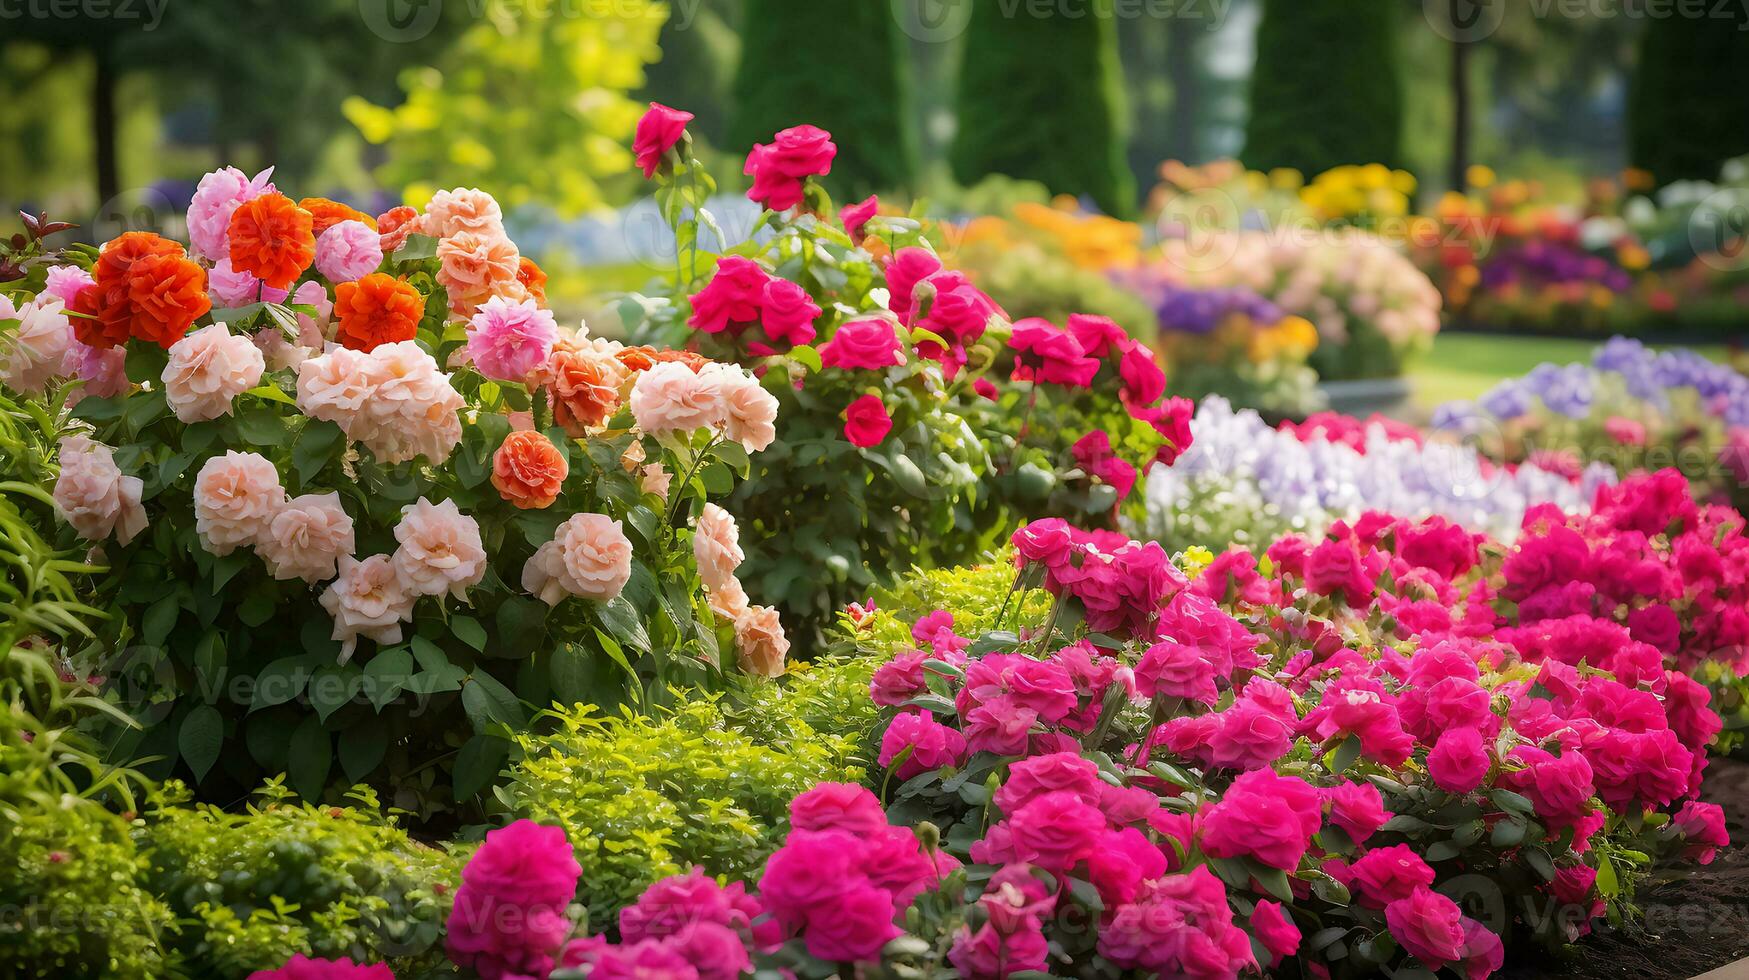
[[1688, 111], [1326, 89], [1041, 98]]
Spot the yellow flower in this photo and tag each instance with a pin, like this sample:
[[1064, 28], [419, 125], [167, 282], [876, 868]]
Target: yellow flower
[[1479, 176], [1286, 179], [1195, 558]]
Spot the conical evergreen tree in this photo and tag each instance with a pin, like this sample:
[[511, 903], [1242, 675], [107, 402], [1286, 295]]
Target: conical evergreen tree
[[1325, 89], [834, 64], [1689, 108], [1040, 98]]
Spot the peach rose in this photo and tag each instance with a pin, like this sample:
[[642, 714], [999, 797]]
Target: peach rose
[[655, 479], [716, 544], [336, 386], [730, 601], [366, 600], [670, 397], [597, 554], [471, 264], [34, 351], [760, 644], [459, 210], [440, 550], [751, 411], [544, 575], [306, 537], [528, 470], [207, 369], [410, 408], [583, 388], [236, 497], [92, 494]]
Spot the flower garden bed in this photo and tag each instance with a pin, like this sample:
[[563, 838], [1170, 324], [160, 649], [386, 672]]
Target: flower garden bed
[[364, 623]]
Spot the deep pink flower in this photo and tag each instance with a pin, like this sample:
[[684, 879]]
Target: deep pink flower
[[1387, 874], [301, 967], [732, 298], [1172, 420], [908, 267], [1335, 566], [658, 131], [779, 168], [898, 680], [837, 806], [1558, 786], [1121, 863], [1181, 926], [1174, 670], [1044, 352], [787, 312], [866, 421], [867, 344], [1357, 808], [1429, 926], [1056, 831], [853, 926], [510, 913], [1275, 931], [1269, 817], [932, 744], [1058, 772], [1143, 381], [1702, 826], [855, 216], [1459, 761]]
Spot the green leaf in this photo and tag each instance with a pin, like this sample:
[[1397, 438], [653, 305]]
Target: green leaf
[[362, 748], [312, 753], [209, 657], [1345, 754], [522, 624], [387, 674], [623, 622], [261, 426], [281, 681], [571, 674], [159, 619], [316, 444], [477, 764], [1507, 833], [469, 631], [199, 739]]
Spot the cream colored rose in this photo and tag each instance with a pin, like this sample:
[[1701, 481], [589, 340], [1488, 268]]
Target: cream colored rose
[[544, 575], [207, 369], [760, 643], [93, 495], [306, 537], [669, 397], [336, 387], [654, 479], [33, 352], [750, 411], [716, 544], [236, 497], [462, 209], [413, 409], [472, 264], [440, 550], [597, 555], [730, 601], [367, 600]]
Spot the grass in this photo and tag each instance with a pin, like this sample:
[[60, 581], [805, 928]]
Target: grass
[[1463, 366]]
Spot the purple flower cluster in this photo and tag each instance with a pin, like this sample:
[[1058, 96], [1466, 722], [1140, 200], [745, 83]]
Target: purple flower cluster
[[1543, 263], [1185, 309]]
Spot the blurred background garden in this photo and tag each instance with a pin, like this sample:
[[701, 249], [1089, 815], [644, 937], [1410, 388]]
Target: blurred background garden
[[1291, 222]]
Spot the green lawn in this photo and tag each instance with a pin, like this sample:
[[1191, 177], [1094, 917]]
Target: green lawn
[[1465, 365]]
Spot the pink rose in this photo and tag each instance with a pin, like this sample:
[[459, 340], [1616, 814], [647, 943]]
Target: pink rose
[[1357, 809], [596, 554], [1459, 762], [898, 680], [366, 600], [1044, 352], [750, 412], [347, 251], [671, 397], [207, 369], [1269, 817], [236, 497], [838, 806], [908, 267], [1275, 930], [779, 168], [219, 194], [1387, 874], [306, 537], [1702, 826], [1180, 926], [1056, 831], [463, 209], [866, 421], [658, 131], [510, 913], [507, 340], [1122, 863], [787, 312], [731, 299], [64, 282], [1143, 381], [1172, 420], [1058, 772], [230, 287], [36, 350], [1097, 335], [440, 550], [301, 967], [1174, 670], [868, 344], [92, 494], [932, 745], [1429, 926], [716, 546], [855, 216]]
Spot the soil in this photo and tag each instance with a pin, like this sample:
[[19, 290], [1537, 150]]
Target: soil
[[1697, 918]]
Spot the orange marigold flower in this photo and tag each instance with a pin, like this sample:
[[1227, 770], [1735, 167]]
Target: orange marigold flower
[[533, 278], [583, 388], [166, 293], [122, 251], [636, 359], [272, 239], [325, 214], [394, 225], [528, 470], [378, 309]]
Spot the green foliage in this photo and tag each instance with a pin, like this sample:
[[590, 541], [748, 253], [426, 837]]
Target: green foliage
[[1688, 110], [1325, 90], [529, 101], [975, 594], [846, 79], [1040, 98], [254, 888], [647, 797]]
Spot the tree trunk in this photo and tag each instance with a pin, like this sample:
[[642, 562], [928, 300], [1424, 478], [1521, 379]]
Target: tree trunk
[[1184, 69], [1460, 116], [103, 127]]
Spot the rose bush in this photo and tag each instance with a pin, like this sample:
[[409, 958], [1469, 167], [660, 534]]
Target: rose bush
[[358, 530]]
